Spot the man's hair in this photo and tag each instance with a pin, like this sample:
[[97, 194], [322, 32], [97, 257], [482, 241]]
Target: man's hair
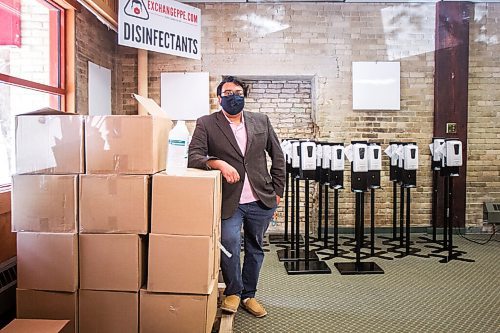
[[233, 80]]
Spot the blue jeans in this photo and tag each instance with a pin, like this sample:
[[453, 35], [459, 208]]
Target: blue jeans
[[255, 218]]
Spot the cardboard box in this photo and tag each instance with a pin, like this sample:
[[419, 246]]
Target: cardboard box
[[126, 144], [194, 210], [109, 311], [47, 261], [35, 304], [112, 262], [45, 203], [35, 325], [114, 204], [181, 264], [178, 313], [49, 142]]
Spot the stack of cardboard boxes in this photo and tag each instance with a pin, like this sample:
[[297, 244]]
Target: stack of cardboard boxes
[[181, 293], [121, 153], [49, 159], [83, 237]]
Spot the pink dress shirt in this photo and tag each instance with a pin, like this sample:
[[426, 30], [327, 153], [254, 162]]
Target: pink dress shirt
[[240, 133]]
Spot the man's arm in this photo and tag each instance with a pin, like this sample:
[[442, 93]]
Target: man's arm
[[198, 148], [199, 158], [278, 161]]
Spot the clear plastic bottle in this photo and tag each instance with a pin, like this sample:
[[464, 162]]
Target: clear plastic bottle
[[178, 144]]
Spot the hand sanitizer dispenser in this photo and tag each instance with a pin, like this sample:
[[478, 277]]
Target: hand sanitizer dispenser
[[307, 159], [326, 162], [359, 166], [393, 169], [410, 166], [452, 157], [295, 158], [319, 160], [374, 164], [337, 166], [437, 156]]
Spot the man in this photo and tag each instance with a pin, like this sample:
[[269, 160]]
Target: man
[[236, 142]]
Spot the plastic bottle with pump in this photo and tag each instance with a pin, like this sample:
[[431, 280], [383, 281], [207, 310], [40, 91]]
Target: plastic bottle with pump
[[178, 144]]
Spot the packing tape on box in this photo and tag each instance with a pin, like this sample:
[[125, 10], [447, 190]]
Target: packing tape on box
[[120, 162], [116, 128], [43, 184], [226, 252], [112, 185]]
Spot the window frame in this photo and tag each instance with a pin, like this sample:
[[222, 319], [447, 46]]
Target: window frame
[[65, 73]]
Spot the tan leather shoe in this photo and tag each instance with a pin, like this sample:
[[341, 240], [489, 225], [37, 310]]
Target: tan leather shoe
[[230, 303], [254, 307]]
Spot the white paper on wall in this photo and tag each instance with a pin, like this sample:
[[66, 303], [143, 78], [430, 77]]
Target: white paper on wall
[[99, 82], [376, 85], [185, 96]]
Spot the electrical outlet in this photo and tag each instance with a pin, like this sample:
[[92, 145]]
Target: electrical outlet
[[451, 128]]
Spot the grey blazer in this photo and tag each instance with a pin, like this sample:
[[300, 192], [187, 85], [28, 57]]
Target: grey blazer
[[214, 139]]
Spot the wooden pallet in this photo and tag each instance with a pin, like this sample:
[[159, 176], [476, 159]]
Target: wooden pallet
[[223, 321]]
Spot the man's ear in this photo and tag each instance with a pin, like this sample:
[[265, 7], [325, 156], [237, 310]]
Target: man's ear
[[219, 99]]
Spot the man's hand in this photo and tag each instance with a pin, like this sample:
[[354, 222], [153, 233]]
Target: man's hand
[[278, 199], [228, 172]]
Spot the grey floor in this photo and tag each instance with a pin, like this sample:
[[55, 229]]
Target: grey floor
[[414, 295]]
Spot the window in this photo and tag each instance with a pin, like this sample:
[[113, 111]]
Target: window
[[32, 66]]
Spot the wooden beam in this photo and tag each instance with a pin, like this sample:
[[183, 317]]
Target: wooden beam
[[451, 79], [142, 77], [108, 9]]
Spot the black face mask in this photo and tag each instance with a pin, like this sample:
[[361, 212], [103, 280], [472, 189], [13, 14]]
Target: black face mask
[[232, 104]]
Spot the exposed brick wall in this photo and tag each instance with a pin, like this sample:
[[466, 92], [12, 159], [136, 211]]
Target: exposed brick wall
[[95, 43], [321, 40], [483, 170]]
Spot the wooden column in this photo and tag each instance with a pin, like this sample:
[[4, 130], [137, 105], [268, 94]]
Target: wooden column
[[451, 90], [142, 76]]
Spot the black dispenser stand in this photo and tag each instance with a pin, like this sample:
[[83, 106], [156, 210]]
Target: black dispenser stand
[[405, 248], [294, 253], [358, 267], [335, 246], [373, 253], [320, 209], [451, 254], [305, 265], [435, 177], [394, 238], [276, 238]]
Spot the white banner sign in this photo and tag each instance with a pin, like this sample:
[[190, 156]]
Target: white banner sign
[[164, 26]]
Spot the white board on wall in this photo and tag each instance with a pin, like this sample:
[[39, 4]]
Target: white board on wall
[[185, 96], [376, 85], [99, 90]]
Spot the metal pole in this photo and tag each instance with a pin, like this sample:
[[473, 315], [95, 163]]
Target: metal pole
[[372, 221], [408, 221], [306, 226], [297, 216], [434, 204], [292, 218], [450, 220], [401, 215], [357, 228], [325, 241], [394, 209], [336, 223], [446, 211], [287, 186], [320, 210]]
